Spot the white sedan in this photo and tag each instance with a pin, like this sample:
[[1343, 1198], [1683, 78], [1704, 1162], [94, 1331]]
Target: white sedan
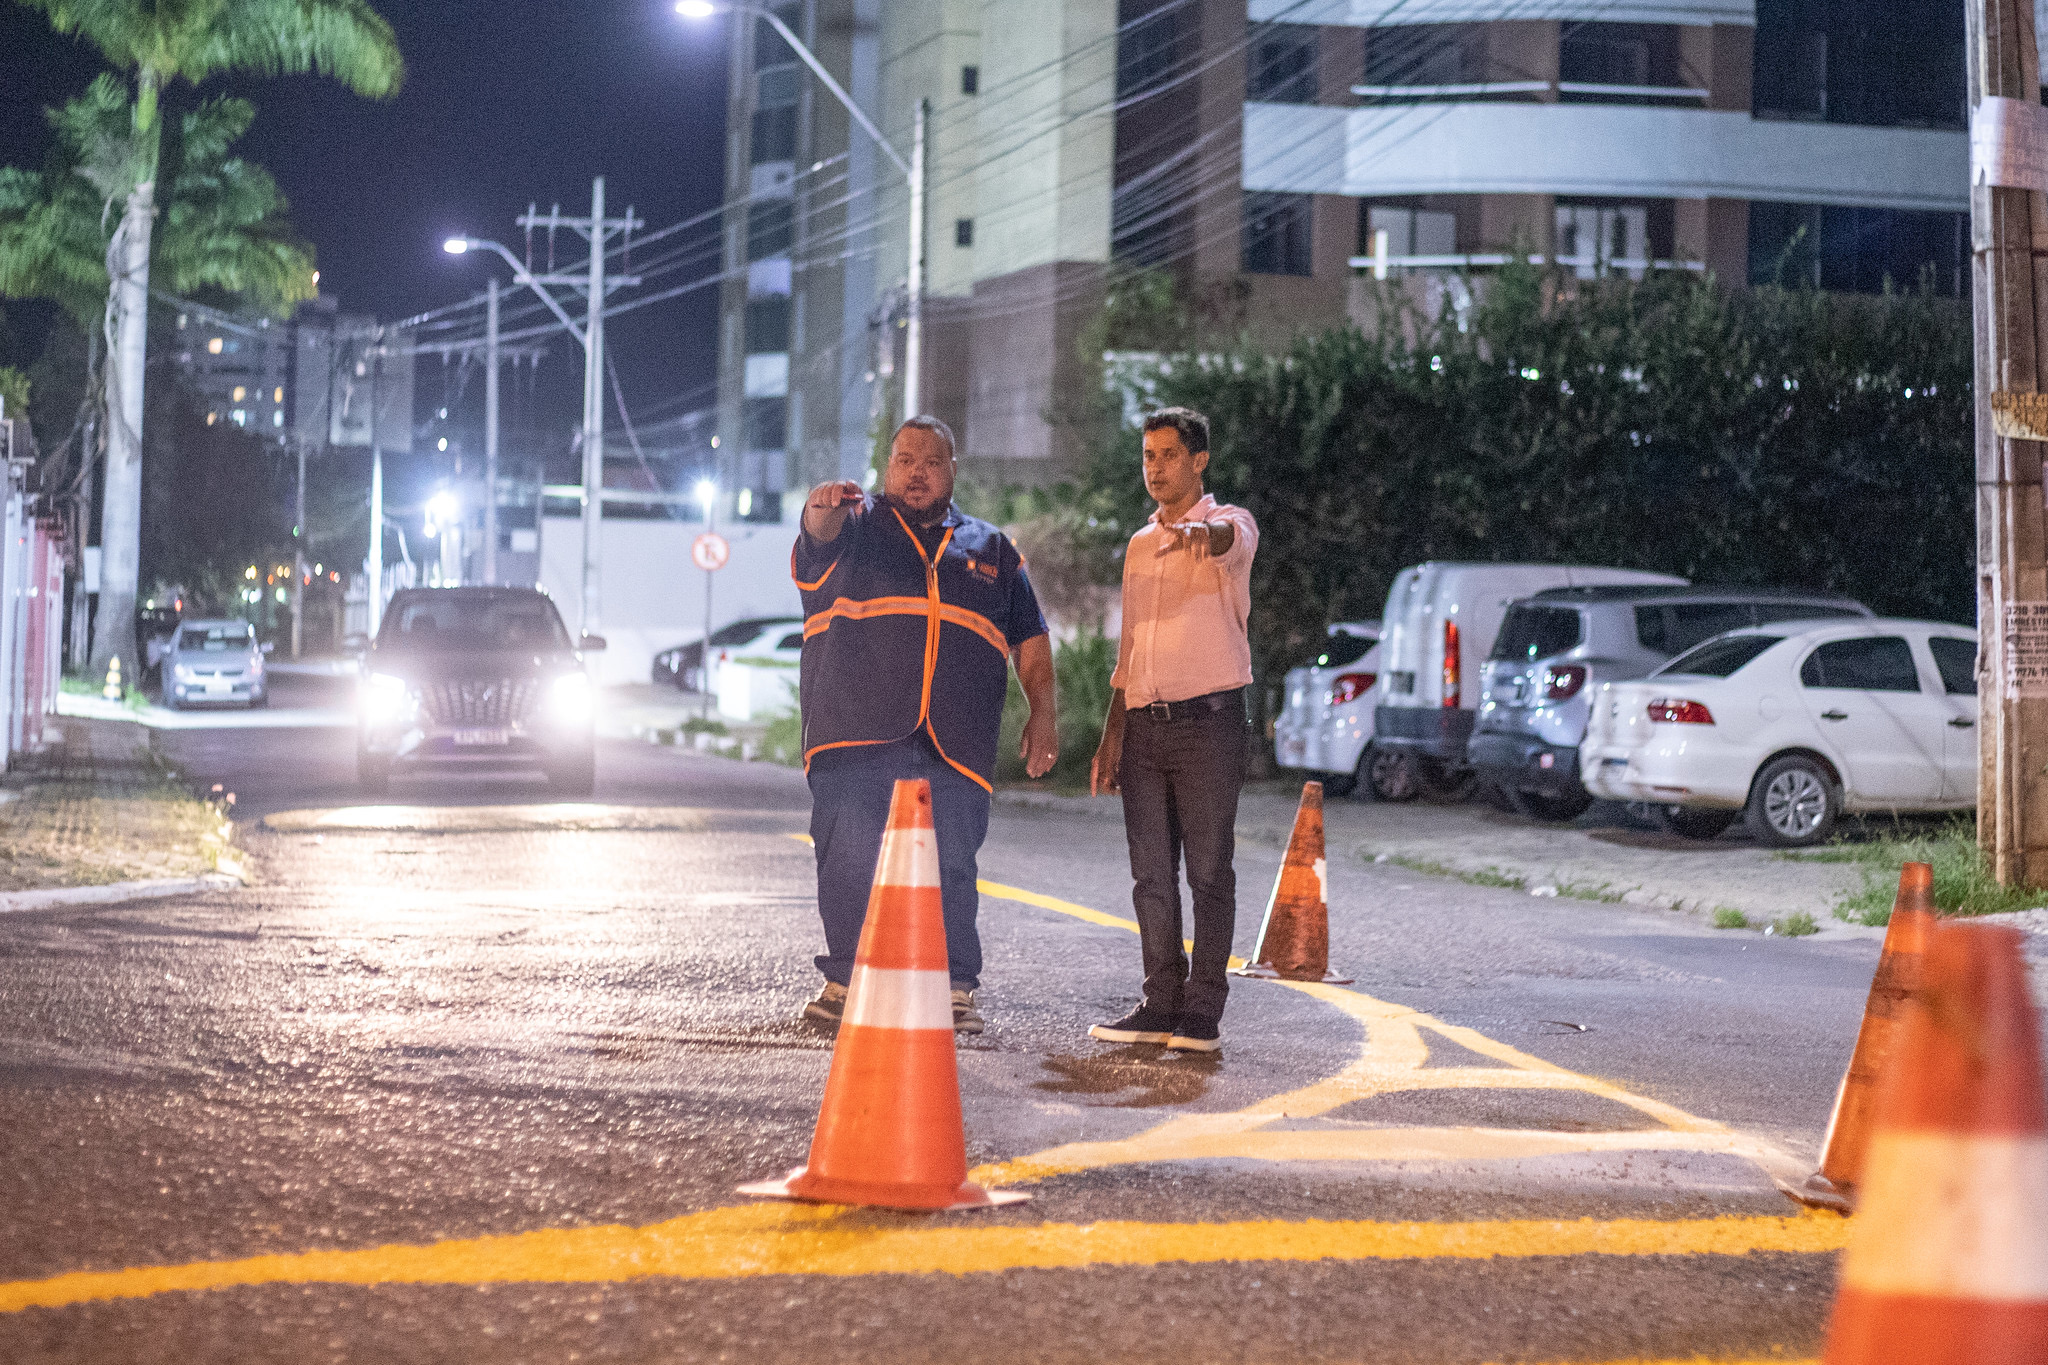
[[1325, 721], [1792, 724]]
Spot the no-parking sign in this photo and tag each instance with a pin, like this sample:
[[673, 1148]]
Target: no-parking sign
[[710, 551]]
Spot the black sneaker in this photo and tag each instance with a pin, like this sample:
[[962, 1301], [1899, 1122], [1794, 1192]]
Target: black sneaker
[[1142, 1025], [1196, 1035], [829, 1007]]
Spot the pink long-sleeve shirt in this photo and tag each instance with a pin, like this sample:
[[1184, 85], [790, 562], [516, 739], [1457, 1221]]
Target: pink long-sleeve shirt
[[1184, 619]]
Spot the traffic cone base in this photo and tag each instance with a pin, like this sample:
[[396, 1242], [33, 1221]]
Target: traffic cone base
[[889, 1130], [1294, 936]]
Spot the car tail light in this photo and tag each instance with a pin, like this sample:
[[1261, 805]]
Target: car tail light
[[1351, 686], [1450, 663], [1678, 711], [1561, 682]]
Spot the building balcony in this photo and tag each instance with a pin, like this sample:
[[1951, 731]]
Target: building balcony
[[1599, 150], [1382, 13]]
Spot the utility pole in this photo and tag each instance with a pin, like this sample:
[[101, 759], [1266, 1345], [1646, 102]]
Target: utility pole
[[913, 337], [491, 432], [2009, 298], [594, 230], [299, 555], [373, 610]]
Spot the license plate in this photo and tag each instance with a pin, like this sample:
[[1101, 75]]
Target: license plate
[[219, 689], [482, 737]]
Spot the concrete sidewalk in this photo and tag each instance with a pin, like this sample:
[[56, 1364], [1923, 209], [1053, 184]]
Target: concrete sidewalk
[[1595, 859]]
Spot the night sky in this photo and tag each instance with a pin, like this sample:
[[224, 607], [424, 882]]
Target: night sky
[[505, 102]]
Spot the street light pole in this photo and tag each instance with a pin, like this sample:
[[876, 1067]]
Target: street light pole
[[912, 169], [707, 493], [593, 418], [490, 433]]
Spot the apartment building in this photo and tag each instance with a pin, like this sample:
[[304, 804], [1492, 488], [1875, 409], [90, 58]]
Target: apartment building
[[1270, 154]]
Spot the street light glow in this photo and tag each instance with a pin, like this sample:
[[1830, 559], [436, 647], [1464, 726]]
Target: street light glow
[[696, 9], [455, 246], [707, 493]]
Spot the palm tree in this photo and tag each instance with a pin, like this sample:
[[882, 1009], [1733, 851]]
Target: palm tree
[[157, 43], [221, 228]]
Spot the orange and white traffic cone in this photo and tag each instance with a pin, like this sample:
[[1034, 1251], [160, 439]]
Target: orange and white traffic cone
[[1294, 937], [1898, 976], [1947, 1262], [889, 1132]]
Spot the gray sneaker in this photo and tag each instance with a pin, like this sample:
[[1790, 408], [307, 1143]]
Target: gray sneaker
[[966, 1018], [829, 1007]]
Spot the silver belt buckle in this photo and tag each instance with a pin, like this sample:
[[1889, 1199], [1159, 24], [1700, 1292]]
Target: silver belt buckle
[[1160, 710]]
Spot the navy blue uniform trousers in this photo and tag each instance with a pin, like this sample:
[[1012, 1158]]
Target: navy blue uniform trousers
[[850, 793]]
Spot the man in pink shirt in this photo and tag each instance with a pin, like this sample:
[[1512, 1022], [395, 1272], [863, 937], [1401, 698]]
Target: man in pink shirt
[[1174, 740]]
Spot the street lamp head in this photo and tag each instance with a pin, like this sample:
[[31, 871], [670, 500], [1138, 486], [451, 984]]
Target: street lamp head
[[696, 9], [707, 492], [455, 246]]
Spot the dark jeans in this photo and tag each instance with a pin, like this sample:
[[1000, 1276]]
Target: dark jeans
[[1180, 781], [850, 792]]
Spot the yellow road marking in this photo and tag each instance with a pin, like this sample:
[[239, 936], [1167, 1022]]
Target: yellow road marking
[[1392, 1058], [780, 1239]]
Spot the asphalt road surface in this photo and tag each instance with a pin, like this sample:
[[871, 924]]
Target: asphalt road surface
[[471, 1075]]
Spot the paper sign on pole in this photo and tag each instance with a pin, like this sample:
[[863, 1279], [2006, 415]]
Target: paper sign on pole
[[2026, 649], [2009, 144]]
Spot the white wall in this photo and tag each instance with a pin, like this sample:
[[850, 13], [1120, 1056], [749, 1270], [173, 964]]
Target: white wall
[[653, 596]]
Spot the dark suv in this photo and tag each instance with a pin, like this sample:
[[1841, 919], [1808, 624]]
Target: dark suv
[[476, 676], [1554, 650]]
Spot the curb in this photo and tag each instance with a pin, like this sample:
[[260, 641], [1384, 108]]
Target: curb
[[115, 892]]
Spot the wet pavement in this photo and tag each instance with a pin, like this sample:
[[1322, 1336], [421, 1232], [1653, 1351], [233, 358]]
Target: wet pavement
[[470, 1074]]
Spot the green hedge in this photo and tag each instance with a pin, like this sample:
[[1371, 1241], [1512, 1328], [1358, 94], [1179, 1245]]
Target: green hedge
[[1769, 437]]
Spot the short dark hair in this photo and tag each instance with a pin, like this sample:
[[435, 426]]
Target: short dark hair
[[1192, 426], [926, 422]]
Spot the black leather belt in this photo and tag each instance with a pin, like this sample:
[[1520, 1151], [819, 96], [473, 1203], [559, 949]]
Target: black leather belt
[[1231, 699]]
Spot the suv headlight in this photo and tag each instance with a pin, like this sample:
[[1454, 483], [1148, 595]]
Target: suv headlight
[[182, 672], [383, 698], [571, 699]]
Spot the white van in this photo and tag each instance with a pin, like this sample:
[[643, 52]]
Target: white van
[[1437, 629]]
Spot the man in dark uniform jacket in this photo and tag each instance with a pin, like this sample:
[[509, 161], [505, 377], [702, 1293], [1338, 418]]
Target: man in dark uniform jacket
[[913, 612]]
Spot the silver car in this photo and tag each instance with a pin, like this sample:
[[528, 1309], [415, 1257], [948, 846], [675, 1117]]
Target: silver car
[[1556, 647], [214, 662]]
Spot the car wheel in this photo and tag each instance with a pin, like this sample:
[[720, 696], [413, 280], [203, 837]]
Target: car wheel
[[373, 772], [1555, 809], [1444, 784], [1695, 823], [1390, 774], [1793, 803], [575, 775]]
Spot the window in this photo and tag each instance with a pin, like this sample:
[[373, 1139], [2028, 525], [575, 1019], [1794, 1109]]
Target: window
[[795, 639], [1276, 234], [774, 136], [1148, 45], [1341, 648], [963, 232], [771, 228], [1536, 633], [762, 506], [1677, 628], [768, 324], [1410, 232], [1957, 660], [1280, 64], [1424, 54], [970, 80], [1589, 236], [1891, 63], [1858, 250], [766, 422], [1604, 54], [1767, 612], [240, 393], [1881, 663], [769, 49], [1719, 658]]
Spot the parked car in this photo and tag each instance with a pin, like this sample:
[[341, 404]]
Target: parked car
[[1440, 620], [468, 676], [1556, 648], [681, 667], [1324, 727], [212, 662], [1788, 726]]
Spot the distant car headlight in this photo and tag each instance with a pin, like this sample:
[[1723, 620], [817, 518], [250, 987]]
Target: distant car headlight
[[571, 699], [183, 672], [383, 698]]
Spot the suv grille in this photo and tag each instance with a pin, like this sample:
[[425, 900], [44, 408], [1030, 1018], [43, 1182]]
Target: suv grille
[[480, 701]]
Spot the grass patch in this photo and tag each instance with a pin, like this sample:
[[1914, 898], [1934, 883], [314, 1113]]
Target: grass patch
[[100, 807], [1728, 917], [1587, 891], [1485, 876], [784, 740], [1963, 884], [698, 725], [1796, 925]]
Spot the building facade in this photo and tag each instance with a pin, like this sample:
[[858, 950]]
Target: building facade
[[1269, 155]]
